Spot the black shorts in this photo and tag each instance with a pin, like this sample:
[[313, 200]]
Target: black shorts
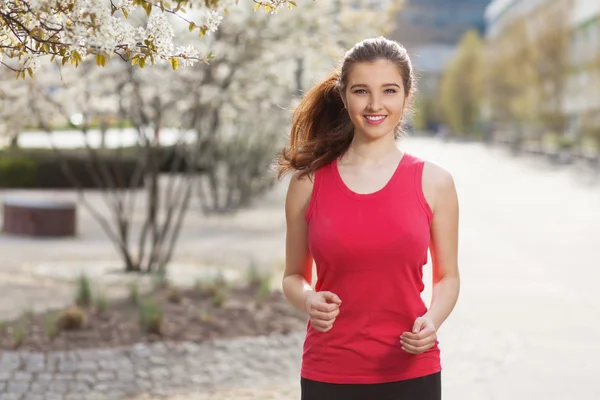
[[424, 388]]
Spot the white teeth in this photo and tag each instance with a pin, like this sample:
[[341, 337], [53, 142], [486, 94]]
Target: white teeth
[[375, 118]]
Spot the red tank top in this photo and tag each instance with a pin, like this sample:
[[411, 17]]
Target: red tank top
[[369, 249]]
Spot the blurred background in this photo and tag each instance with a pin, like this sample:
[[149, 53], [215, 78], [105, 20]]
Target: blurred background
[[518, 72], [143, 229]]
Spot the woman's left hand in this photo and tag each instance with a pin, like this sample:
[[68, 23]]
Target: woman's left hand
[[422, 337]]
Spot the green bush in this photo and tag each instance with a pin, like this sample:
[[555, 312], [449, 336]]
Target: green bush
[[84, 292], [150, 316], [98, 174], [172, 162], [43, 168], [17, 172]]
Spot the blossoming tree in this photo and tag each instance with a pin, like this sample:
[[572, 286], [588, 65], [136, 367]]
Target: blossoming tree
[[235, 110], [140, 31]]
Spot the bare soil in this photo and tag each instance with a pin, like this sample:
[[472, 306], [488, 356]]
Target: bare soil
[[194, 315]]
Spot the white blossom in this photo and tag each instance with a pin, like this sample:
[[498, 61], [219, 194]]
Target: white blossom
[[212, 20], [75, 29]]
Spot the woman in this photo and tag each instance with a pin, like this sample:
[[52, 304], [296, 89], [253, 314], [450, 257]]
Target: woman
[[367, 213]]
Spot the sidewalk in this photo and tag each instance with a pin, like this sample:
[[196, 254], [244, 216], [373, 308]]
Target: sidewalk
[[284, 391]]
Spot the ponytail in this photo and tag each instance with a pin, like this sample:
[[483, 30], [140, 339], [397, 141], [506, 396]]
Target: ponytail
[[321, 130]]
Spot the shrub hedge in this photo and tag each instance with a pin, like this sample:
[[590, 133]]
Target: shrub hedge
[[42, 168], [17, 172]]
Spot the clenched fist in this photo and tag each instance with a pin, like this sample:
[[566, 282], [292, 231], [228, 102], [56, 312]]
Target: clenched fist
[[422, 337], [322, 309]]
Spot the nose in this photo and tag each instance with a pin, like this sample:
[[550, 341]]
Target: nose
[[375, 103]]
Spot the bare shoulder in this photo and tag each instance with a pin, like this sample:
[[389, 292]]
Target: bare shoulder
[[301, 183], [438, 184], [299, 192], [434, 174]]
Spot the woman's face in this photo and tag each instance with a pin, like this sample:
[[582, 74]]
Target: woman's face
[[375, 98]]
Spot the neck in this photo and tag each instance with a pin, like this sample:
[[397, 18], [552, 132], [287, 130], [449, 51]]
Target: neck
[[372, 152]]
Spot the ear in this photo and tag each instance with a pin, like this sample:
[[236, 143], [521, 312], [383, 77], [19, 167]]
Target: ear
[[343, 96], [406, 100]]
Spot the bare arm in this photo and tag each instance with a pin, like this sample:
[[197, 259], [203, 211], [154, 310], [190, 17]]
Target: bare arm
[[297, 277], [440, 193], [444, 243], [322, 308]]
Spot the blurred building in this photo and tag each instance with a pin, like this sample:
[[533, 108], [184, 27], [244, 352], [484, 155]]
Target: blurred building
[[582, 96], [378, 4], [431, 30], [499, 14], [441, 22], [582, 101]]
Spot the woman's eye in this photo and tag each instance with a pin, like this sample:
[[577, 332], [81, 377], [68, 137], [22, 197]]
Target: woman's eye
[[360, 91], [390, 91]]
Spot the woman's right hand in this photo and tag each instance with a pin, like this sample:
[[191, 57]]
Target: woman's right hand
[[322, 309]]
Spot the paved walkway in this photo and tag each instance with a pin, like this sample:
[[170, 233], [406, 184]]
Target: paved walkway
[[527, 323], [528, 320], [159, 369]]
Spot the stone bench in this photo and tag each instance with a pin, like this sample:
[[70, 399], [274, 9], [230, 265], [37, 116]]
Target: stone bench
[[39, 217]]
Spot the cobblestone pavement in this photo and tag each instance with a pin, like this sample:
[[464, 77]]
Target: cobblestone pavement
[[283, 391], [154, 370]]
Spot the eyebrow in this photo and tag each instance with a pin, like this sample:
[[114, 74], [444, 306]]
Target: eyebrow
[[362, 85]]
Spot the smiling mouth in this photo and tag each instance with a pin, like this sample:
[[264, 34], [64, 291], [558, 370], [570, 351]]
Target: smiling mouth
[[375, 117]]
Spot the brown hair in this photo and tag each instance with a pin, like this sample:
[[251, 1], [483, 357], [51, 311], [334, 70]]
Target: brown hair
[[321, 127]]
